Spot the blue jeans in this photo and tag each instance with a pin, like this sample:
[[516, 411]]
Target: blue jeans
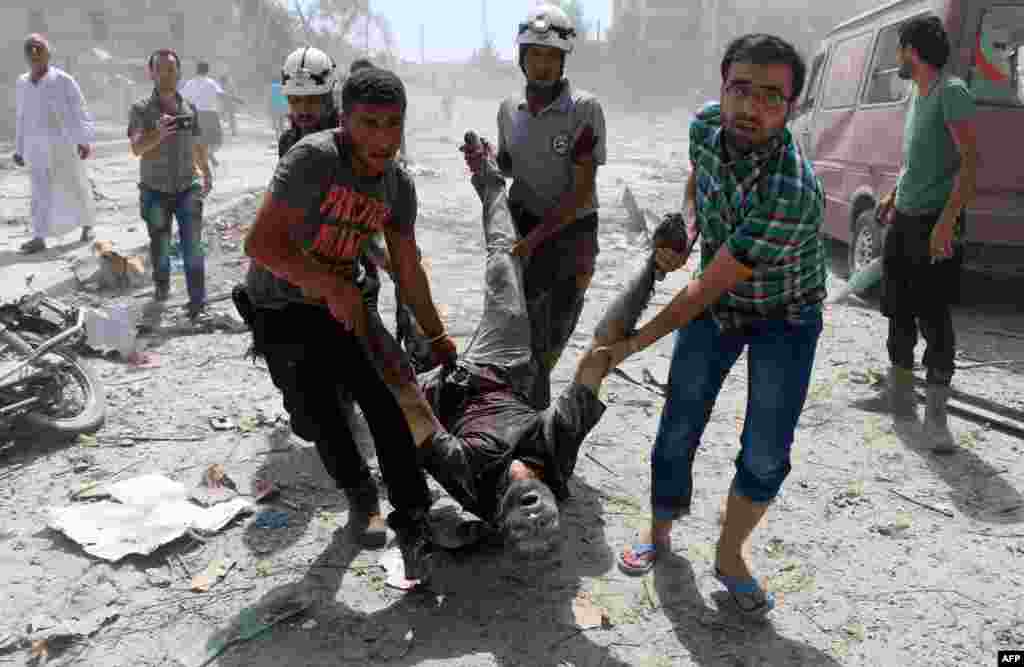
[[157, 209], [780, 358]]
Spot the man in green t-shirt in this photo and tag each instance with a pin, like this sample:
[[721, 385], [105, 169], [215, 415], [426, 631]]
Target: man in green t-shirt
[[924, 247]]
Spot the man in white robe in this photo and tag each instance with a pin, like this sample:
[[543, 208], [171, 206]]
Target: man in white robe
[[54, 135]]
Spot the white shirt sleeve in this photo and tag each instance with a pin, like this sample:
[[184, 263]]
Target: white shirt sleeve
[[80, 128], [19, 123]]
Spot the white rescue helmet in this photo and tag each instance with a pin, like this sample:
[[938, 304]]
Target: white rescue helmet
[[308, 71], [547, 25]]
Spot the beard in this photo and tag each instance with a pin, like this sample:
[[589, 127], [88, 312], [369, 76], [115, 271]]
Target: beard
[[529, 518], [743, 136]]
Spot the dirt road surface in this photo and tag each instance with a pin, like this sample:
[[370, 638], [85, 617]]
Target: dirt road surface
[[881, 552]]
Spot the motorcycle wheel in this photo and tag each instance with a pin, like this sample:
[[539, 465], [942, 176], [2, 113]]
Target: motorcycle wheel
[[89, 415]]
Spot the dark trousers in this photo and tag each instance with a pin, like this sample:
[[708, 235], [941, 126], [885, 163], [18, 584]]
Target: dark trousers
[[159, 209], [918, 295], [553, 296], [311, 357]]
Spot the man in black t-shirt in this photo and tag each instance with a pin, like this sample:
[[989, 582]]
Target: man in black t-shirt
[[331, 192]]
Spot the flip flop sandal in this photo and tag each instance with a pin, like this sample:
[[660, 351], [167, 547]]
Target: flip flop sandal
[[638, 559], [751, 600]]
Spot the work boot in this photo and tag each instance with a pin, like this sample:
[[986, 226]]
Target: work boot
[[936, 422], [33, 246], [198, 313], [900, 392], [414, 541], [364, 504]]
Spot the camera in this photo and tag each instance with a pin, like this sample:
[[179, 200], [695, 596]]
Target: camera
[[184, 122]]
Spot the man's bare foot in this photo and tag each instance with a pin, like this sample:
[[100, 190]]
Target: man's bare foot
[[638, 558]]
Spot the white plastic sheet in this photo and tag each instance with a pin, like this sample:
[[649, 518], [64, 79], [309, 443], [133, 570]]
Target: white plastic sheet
[[150, 511]]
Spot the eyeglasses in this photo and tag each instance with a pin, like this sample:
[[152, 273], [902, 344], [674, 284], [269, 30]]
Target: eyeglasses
[[768, 99], [541, 27]]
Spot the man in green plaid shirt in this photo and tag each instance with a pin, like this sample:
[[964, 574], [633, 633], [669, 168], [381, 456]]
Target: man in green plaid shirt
[[766, 208], [759, 210]]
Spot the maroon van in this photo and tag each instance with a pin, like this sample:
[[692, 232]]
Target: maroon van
[[850, 123]]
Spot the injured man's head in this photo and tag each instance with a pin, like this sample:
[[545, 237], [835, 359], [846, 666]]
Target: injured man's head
[[528, 511]]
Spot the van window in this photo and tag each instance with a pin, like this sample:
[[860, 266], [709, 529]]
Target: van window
[[884, 84], [999, 47], [844, 72], [811, 89]]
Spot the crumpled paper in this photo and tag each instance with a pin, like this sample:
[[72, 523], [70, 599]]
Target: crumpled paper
[[149, 511]]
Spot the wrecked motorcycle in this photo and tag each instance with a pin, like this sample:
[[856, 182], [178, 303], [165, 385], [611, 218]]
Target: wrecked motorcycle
[[43, 384]]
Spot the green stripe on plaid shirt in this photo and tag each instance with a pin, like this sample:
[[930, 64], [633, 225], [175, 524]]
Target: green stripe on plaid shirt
[[767, 208]]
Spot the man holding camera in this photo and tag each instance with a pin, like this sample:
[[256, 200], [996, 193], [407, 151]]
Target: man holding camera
[[164, 132]]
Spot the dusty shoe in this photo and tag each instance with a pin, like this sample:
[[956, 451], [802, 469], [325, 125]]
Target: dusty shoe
[[33, 246], [363, 503], [900, 392], [936, 421], [414, 541], [199, 314], [162, 292]]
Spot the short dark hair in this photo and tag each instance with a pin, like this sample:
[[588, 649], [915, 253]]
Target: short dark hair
[[373, 86], [762, 49], [927, 36], [202, 67], [170, 53], [360, 64]]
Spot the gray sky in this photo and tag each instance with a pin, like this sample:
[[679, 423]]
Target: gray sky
[[453, 27]]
